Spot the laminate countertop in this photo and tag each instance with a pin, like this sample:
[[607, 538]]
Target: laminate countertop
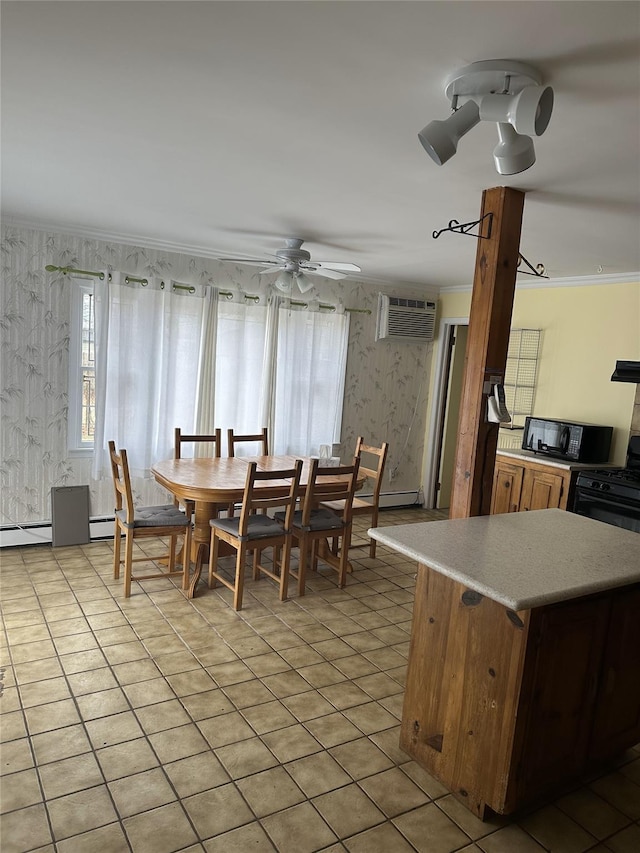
[[541, 459], [522, 559]]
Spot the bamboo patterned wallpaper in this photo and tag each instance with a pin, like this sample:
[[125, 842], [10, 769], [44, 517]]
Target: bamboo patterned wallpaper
[[385, 388]]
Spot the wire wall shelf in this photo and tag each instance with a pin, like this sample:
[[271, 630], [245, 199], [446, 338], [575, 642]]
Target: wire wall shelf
[[521, 374]]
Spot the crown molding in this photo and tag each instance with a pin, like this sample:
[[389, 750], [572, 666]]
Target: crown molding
[[567, 281], [204, 252], [114, 237]]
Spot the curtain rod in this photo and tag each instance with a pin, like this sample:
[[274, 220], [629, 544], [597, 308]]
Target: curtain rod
[[131, 279], [69, 270]]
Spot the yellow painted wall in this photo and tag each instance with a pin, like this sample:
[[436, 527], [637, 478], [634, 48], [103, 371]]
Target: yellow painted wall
[[585, 329]]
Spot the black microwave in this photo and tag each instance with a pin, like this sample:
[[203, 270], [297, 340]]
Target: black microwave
[[575, 442]]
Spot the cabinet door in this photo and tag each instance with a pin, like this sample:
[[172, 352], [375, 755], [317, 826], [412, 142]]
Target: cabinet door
[[617, 718], [558, 695], [542, 490], [507, 485]]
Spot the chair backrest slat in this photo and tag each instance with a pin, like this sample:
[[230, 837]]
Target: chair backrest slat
[[180, 438], [234, 438], [283, 491], [323, 485], [374, 474]]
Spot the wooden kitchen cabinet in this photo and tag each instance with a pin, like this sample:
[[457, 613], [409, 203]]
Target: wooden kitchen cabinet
[[544, 489], [617, 717], [525, 652], [507, 487], [505, 707], [521, 485]]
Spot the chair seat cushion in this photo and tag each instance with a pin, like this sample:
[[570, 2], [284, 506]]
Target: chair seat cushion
[[321, 519], [167, 515], [260, 527]]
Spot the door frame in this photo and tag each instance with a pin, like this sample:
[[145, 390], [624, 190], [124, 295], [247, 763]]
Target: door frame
[[440, 391]]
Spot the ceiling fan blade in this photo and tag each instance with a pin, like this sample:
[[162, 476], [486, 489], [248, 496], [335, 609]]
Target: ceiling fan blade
[[327, 273], [338, 266], [250, 261], [267, 270]]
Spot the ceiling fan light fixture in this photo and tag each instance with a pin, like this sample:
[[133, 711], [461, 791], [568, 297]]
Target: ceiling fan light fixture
[[304, 282], [514, 153], [284, 281]]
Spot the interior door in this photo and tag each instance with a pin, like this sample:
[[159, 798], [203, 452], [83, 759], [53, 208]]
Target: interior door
[[449, 424]]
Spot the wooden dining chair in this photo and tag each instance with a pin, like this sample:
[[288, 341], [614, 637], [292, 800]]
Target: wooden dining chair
[[316, 521], [362, 506], [138, 522], [253, 531], [179, 439], [234, 438]]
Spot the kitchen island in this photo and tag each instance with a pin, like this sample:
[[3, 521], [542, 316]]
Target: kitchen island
[[524, 664]]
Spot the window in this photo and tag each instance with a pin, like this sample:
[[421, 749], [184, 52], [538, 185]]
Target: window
[[82, 378], [240, 369], [310, 371], [255, 366]]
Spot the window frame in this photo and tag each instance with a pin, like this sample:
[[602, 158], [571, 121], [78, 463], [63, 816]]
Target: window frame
[[75, 443]]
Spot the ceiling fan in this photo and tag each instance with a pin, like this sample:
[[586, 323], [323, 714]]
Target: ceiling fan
[[293, 263]]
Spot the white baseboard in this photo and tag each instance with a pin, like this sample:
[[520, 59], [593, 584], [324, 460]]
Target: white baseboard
[[398, 499], [41, 534]]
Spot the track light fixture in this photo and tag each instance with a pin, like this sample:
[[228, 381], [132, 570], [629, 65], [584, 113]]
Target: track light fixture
[[508, 93]]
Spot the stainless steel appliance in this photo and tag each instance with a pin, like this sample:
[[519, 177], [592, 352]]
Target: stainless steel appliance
[[612, 495], [569, 440]]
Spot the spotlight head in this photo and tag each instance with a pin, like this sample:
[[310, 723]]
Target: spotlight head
[[514, 153], [528, 112], [440, 138], [532, 111]]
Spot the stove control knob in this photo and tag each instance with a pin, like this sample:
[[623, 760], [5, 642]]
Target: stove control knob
[[605, 487]]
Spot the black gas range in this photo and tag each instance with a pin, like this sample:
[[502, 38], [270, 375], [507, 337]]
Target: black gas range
[[612, 495]]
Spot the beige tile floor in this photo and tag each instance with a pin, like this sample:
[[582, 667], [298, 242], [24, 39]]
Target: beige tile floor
[[155, 724]]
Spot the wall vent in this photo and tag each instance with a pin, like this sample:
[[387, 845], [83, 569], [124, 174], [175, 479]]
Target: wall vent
[[405, 319]]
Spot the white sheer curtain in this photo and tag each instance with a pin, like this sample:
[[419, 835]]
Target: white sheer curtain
[[147, 347], [168, 358], [310, 371], [241, 370], [205, 404]]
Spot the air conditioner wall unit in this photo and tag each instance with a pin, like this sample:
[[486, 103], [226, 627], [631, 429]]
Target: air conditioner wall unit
[[405, 319]]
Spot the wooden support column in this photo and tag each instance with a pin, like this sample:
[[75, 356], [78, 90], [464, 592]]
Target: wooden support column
[[486, 355]]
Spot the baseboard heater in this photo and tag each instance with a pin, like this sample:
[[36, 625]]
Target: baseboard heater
[[398, 500], [42, 533], [102, 528]]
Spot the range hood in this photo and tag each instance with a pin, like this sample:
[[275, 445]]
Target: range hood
[[626, 371]]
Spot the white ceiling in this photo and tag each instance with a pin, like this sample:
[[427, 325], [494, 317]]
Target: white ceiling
[[220, 128]]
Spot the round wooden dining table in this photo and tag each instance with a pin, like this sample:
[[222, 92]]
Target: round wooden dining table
[[214, 484]]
